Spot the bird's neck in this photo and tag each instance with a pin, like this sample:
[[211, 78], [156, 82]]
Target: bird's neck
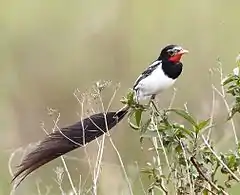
[[172, 69]]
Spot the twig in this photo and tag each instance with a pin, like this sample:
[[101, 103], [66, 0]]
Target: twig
[[223, 95], [84, 144], [62, 158], [113, 96], [173, 98], [219, 159], [97, 165], [113, 145], [186, 106], [59, 172], [122, 166], [79, 185], [164, 150], [155, 145], [188, 168], [196, 165], [11, 159], [212, 114], [101, 147], [211, 191], [38, 188], [140, 179], [81, 102]]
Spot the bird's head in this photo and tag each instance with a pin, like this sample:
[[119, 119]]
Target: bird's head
[[172, 53]]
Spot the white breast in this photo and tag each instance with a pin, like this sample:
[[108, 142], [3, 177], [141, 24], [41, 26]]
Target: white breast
[[154, 83]]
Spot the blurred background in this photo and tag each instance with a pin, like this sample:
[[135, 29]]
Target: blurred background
[[50, 48]]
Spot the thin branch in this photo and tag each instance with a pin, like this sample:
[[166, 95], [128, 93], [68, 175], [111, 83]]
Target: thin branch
[[11, 159], [196, 165], [188, 168], [164, 151], [155, 145], [113, 96], [81, 102], [212, 113], [173, 98], [211, 191], [114, 147], [228, 109], [98, 165], [59, 172], [79, 185], [223, 95], [62, 158], [219, 159], [100, 151], [122, 166], [38, 188], [140, 179]]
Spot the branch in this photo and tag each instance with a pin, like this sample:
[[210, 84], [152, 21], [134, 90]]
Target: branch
[[196, 165]]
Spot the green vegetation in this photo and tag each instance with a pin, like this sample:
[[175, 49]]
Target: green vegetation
[[185, 159]]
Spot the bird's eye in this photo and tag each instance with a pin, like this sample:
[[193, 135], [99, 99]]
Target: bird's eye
[[171, 52]]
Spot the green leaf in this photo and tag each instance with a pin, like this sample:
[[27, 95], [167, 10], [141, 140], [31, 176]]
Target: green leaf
[[234, 110], [131, 124], [184, 114], [238, 99], [202, 125], [178, 149], [130, 95], [124, 100], [205, 192], [129, 99], [187, 131], [229, 80], [138, 116]]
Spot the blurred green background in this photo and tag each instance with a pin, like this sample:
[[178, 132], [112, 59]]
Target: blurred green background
[[49, 48]]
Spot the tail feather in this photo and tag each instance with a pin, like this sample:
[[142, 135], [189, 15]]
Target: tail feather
[[66, 140]]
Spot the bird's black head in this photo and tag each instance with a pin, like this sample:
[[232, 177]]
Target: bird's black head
[[172, 53]]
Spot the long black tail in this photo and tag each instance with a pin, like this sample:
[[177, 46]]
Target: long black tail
[[66, 140]]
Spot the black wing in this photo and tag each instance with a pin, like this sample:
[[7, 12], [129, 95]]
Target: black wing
[[147, 72]]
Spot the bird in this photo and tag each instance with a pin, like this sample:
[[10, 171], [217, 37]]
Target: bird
[[157, 77], [161, 74]]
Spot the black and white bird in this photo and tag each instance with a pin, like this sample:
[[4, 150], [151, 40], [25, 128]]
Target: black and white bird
[[160, 75]]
